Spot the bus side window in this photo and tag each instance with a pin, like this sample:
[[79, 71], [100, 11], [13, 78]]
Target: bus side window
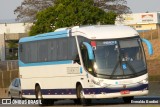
[[87, 63]]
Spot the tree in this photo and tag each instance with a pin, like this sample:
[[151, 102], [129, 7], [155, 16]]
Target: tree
[[12, 46], [118, 6], [67, 13], [29, 8]]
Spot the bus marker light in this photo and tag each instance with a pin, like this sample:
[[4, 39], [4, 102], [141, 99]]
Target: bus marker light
[[93, 43], [81, 70]]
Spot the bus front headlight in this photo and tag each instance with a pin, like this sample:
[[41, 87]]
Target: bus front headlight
[[95, 66]]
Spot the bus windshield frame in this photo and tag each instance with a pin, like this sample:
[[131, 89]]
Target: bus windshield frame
[[119, 58]]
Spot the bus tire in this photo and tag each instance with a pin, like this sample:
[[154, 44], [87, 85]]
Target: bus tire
[[20, 95], [38, 94], [77, 101], [80, 97], [10, 96], [128, 99]]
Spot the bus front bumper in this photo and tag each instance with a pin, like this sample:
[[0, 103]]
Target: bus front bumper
[[116, 95]]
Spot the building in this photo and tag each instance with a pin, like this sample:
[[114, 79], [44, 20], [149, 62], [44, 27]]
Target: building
[[141, 21], [10, 33]]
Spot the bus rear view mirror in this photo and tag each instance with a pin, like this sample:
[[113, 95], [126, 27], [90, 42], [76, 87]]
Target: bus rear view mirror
[[89, 50], [149, 45]]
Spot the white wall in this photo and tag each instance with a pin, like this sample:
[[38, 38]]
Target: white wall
[[11, 28], [15, 28]]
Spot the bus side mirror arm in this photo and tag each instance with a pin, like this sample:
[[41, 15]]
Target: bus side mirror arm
[[90, 50], [149, 45]]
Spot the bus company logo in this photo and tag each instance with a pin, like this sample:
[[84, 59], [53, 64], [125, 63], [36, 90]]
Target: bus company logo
[[6, 101], [20, 101], [147, 18], [109, 42]]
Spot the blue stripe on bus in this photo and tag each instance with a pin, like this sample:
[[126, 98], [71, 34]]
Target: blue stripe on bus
[[86, 90], [51, 35], [21, 64]]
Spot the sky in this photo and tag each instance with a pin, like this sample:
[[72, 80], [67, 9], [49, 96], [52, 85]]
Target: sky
[[7, 7], [142, 6]]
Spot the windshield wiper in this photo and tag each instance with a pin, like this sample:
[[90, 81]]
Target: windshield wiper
[[114, 70], [120, 62], [116, 66], [131, 68]]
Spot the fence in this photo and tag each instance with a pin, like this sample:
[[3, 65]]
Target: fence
[[150, 34], [8, 71]]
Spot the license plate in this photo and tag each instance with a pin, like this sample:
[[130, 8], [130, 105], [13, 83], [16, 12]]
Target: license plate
[[125, 92]]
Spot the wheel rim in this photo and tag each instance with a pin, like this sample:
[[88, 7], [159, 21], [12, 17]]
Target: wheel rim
[[39, 95], [82, 94]]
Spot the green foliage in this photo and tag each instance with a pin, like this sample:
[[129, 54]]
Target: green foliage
[[67, 13], [12, 44]]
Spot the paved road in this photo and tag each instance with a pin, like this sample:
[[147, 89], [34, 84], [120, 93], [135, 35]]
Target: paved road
[[96, 103], [154, 88]]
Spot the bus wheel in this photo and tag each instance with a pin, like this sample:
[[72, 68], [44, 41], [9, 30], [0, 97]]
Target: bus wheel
[[77, 101], [80, 97], [128, 99], [10, 96], [20, 95], [38, 93], [39, 97]]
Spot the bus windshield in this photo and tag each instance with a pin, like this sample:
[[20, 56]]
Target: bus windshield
[[122, 58]]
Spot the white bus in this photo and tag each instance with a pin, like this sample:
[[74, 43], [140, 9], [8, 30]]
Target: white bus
[[84, 63]]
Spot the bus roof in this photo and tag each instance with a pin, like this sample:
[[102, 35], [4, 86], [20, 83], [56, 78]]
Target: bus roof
[[105, 31], [90, 32], [50, 35]]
